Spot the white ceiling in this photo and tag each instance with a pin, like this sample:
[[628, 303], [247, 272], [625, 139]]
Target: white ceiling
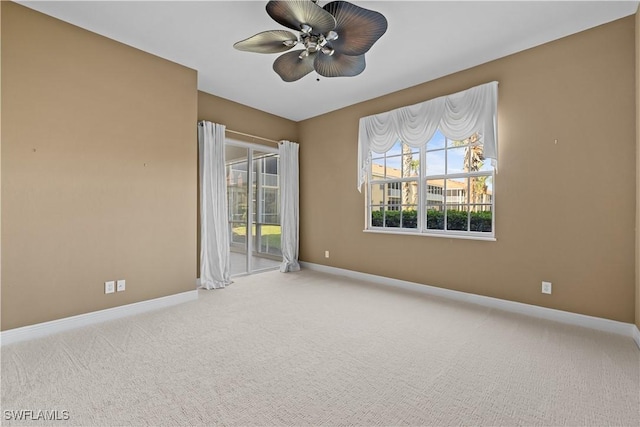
[[425, 40]]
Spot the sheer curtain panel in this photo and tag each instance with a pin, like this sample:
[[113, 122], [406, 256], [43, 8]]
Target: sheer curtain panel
[[214, 231], [457, 116], [289, 202]]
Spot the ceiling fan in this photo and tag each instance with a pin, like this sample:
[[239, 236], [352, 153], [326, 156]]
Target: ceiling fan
[[334, 37]]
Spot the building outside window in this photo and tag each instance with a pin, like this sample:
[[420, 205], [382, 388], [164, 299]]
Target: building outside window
[[443, 188]]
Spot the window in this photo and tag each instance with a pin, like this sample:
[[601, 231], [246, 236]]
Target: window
[[395, 173], [444, 187], [429, 167]]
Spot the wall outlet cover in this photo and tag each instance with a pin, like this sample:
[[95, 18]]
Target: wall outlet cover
[[120, 285], [546, 288], [109, 287]]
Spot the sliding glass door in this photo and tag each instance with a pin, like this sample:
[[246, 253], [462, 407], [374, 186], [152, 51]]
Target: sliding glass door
[[253, 195]]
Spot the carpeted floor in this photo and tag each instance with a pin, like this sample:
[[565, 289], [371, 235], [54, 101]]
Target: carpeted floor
[[313, 349]]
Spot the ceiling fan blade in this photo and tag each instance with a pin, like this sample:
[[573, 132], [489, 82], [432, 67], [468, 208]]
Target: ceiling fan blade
[[295, 13], [358, 28], [268, 42], [290, 67], [339, 65]]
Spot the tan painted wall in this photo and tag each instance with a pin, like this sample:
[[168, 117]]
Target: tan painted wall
[[564, 213], [98, 171], [637, 168], [245, 119]]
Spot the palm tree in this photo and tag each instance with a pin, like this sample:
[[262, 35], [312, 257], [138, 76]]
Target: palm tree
[[479, 189], [415, 164], [474, 160], [409, 168]]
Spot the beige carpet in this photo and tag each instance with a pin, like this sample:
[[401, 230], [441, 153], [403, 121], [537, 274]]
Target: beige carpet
[[312, 349]]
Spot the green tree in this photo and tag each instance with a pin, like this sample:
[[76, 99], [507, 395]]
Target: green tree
[[474, 160]]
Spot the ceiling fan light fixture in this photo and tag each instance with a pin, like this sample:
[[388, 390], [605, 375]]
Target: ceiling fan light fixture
[[342, 31], [311, 43], [328, 51], [331, 35]]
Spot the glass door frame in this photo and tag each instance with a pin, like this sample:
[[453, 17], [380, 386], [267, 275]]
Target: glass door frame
[[250, 147]]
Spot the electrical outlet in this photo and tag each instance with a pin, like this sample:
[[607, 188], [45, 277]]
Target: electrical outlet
[[109, 287], [120, 285], [546, 288], [326, 254]]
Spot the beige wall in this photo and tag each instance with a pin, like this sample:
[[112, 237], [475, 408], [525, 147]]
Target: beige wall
[[245, 119], [564, 212], [98, 171], [638, 169]]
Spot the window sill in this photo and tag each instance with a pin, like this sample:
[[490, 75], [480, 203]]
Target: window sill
[[439, 235]]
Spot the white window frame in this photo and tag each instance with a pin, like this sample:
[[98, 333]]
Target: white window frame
[[422, 179]]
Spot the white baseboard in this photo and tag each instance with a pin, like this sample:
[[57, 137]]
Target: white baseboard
[[597, 323], [47, 328]]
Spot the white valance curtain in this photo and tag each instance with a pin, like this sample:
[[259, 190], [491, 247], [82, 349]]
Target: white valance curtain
[[215, 254], [289, 205], [457, 116]]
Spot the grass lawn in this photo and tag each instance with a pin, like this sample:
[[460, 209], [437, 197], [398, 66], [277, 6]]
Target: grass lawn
[[270, 234]]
